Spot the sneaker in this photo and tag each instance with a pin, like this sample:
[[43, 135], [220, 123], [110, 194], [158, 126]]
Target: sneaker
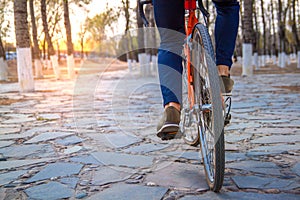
[[227, 84], [168, 126]]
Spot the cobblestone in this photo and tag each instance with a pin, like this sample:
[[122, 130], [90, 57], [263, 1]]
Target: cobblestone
[[95, 139]]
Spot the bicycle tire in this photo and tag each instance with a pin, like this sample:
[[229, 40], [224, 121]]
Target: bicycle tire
[[208, 94]]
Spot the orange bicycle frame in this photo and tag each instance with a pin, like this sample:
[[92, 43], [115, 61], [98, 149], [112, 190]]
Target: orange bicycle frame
[[191, 20]]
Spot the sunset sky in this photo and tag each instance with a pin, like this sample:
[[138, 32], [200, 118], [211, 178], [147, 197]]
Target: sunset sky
[[96, 7], [78, 16]]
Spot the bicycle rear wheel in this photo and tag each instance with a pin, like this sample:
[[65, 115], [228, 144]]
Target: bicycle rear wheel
[[188, 122], [208, 100]]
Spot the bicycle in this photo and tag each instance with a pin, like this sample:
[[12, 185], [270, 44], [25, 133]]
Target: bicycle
[[203, 114]]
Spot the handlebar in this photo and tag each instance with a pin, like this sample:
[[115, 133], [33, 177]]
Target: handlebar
[[141, 11]]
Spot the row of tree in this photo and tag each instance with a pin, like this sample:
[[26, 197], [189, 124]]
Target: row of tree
[[268, 27], [45, 17], [271, 31], [28, 45]]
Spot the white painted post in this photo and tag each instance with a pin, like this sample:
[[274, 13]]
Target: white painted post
[[298, 60], [148, 64], [288, 59], [154, 64], [268, 59], [71, 66], [48, 64], [263, 60], [38, 68], [282, 60], [255, 60], [239, 59], [3, 70], [55, 66], [142, 57], [129, 61], [274, 59], [247, 69], [133, 64], [25, 75]]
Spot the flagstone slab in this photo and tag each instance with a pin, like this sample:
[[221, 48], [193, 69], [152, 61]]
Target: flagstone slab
[[277, 139], [146, 148], [6, 143], [276, 149], [105, 175], [7, 130], [69, 141], [56, 170], [255, 182], [230, 157], [70, 181], [122, 159], [241, 126], [49, 191], [233, 138], [296, 169], [28, 151], [74, 149], [190, 155], [26, 134], [48, 117], [19, 120], [178, 175], [15, 136], [48, 136], [241, 195], [86, 159], [11, 164], [115, 140], [256, 166], [8, 177], [4, 110], [126, 191]]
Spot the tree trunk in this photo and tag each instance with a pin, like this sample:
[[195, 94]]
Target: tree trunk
[[3, 64], [125, 4], [51, 51], [282, 38], [294, 30], [153, 42], [148, 41], [274, 41], [264, 32], [70, 58], [247, 38], [36, 50], [24, 63], [141, 45], [255, 38]]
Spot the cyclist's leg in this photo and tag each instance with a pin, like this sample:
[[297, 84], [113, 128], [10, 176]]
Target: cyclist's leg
[[169, 16], [226, 28]]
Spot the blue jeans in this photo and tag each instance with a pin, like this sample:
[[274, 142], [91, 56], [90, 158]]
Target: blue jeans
[[169, 17]]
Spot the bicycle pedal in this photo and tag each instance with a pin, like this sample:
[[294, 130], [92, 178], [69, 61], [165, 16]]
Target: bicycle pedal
[[227, 94], [170, 136], [227, 119]]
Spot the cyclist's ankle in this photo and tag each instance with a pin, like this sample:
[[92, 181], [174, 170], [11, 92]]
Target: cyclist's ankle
[[223, 70], [174, 104]]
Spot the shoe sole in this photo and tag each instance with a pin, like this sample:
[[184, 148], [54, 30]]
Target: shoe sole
[[168, 131]]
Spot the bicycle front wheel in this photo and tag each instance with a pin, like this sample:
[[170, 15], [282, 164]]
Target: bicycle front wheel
[[208, 100]]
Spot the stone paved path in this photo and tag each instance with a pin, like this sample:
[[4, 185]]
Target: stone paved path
[[94, 139]]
